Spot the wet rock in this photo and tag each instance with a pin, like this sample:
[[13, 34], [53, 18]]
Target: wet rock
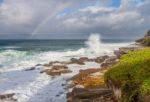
[[59, 67], [110, 61], [89, 95], [32, 68], [53, 62], [57, 70], [39, 65], [53, 72], [76, 61], [84, 59], [5, 96], [101, 59], [63, 84], [46, 65]]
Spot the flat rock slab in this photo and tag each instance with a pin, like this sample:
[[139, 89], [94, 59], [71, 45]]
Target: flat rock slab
[[89, 95]]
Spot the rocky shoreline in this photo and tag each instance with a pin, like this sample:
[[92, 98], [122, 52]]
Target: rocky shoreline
[[86, 82], [89, 84], [93, 79], [107, 92]]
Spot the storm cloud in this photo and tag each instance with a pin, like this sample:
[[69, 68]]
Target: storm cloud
[[31, 19]]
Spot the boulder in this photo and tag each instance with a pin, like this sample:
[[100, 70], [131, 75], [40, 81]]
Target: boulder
[[101, 59], [110, 61], [84, 59], [89, 95], [76, 61]]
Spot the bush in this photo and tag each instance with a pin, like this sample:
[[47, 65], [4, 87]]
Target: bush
[[133, 74]]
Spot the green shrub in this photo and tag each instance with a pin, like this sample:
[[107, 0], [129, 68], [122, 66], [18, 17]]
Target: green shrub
[[133, 74], [145, 87]]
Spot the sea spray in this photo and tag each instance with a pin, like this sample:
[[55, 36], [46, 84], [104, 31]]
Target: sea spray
[[94, 43]]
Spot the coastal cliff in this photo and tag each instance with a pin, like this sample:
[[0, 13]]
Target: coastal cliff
[[130, 77], [124, 77]]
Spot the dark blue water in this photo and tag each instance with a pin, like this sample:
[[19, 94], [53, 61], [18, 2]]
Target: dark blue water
[[50, 45]]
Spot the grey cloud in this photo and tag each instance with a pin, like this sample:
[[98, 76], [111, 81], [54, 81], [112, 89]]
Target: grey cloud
[[20, 18]]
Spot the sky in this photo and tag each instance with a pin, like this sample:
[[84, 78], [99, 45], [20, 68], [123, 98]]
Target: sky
[[73, 19]]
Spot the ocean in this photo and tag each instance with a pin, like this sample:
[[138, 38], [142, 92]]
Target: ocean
[[32, 86], [27, 53]]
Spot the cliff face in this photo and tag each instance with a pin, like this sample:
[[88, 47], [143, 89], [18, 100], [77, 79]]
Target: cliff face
[[130, 77], [145, 40]]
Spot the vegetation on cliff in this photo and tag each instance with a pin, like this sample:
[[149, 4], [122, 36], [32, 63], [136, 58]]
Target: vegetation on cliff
[[145, 40], [131, 75]]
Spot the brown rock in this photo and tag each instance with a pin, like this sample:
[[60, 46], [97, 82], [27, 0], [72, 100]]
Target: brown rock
[[89, 95], [59, 67], [139, 40], [46, 65], [83, 73], [84, 59], [85, 78], [57, 70], [5, 96], [53, 72], [53, 62], [101, 59], [76, 61], [110, 61]]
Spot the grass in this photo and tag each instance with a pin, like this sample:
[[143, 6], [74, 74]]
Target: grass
[[132, 73]]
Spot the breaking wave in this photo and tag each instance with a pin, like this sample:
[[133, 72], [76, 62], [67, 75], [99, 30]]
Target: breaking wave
[[13, 59]]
